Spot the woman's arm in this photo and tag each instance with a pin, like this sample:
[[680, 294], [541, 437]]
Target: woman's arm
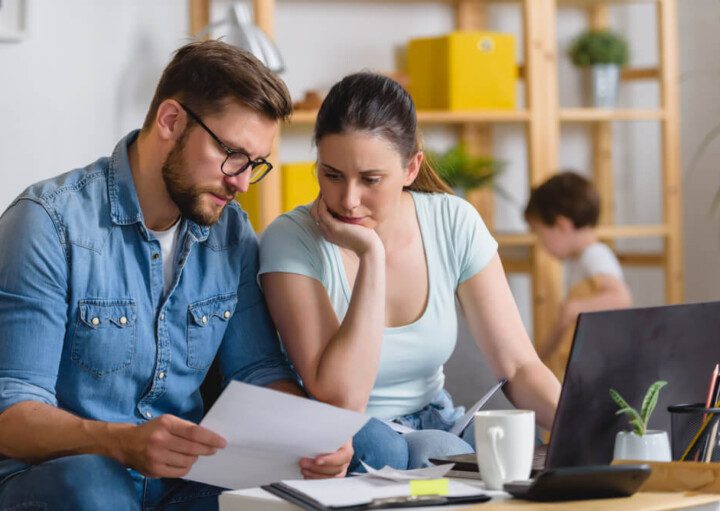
[[337, 361], [494, 321]]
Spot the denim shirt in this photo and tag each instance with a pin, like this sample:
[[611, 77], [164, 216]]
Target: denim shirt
[[85, 324]]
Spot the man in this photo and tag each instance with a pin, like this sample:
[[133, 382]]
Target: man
[[119, 284]]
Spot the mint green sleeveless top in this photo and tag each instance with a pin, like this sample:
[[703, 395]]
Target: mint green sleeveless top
[[457, 246]]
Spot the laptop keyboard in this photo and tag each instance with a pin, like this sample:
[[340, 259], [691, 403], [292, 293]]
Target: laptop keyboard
[[466, 464]]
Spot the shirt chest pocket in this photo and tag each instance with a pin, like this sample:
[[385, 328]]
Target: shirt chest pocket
[[104, 340], [207, 322]]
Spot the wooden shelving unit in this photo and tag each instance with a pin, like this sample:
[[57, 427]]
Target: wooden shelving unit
[[439, 117], [594, 114], [541, 120]]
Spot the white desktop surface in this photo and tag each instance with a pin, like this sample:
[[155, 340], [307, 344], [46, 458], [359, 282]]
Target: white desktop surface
[[257, 499]]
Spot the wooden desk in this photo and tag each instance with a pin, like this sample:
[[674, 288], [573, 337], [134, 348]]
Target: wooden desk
[[638, 502]]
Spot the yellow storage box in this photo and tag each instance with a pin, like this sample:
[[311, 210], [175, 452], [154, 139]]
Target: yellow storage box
[[463, 71], [298, 186], [250, 202]]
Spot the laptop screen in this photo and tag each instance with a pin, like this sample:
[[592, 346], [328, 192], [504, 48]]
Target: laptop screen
[[627, 350]]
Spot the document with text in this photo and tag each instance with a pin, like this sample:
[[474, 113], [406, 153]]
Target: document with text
[[267, 433]]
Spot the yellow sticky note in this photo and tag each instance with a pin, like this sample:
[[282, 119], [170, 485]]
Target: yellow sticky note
[[429, 487]]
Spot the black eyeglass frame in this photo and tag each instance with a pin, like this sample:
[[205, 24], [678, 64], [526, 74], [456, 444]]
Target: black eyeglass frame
[[230, 152]]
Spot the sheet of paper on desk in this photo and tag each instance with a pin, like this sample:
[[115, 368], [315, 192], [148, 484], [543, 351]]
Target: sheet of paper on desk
[[350, 491], [267, 434], [406, 475], [462, 423]]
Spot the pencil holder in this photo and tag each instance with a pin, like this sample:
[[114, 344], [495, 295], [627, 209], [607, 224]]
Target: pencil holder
[[695, 432]]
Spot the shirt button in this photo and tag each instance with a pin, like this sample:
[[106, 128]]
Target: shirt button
[[161, 375], [95, 321], [155, 256], [226, 314], [162, 316], [148, 414], [204, 320], [123, 320]]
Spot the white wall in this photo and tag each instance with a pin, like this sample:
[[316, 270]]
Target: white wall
[[79, 81], [700, 104], [85, 74]]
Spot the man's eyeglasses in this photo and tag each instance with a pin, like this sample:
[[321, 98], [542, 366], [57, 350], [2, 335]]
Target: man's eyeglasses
[[236, 162]]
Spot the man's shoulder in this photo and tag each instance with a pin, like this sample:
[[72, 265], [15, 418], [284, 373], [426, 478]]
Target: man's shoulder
[[77, 202], [59, 189], [232, 228]]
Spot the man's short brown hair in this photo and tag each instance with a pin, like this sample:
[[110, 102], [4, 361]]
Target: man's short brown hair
[[567, 194], [204, 75]]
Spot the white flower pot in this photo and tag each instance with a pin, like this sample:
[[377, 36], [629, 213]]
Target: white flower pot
[[652, 446], [605, 84]]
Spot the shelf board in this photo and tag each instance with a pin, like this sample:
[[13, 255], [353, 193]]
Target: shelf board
[[611, 232], [590, 3], [302, 117], [610, 114], [520, 239], [445, 117], [307, 117]]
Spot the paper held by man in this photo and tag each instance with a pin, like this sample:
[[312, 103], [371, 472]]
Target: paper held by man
[[267, 433]]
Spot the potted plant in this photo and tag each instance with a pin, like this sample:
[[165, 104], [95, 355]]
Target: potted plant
[[641, 443], [604, 52], [463, 171]]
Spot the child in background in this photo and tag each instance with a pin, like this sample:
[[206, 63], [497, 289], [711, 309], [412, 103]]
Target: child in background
[[563, 213]]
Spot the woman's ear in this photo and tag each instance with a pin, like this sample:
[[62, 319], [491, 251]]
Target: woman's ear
[[413, 168], [170, 120]]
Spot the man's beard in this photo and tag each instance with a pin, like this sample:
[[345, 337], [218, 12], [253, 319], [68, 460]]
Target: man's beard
[[187, 197]]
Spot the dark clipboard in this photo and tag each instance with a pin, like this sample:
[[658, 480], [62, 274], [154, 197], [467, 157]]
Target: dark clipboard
[[306, 502]]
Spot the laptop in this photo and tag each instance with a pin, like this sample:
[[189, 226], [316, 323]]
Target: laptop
[[626, 350]]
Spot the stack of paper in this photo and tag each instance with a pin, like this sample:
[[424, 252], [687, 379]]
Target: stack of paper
[[354, 491], [267, 433]]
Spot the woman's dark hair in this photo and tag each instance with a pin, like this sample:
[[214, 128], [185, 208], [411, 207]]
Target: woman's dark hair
[[375, 104], [204, 75], [567, 194]]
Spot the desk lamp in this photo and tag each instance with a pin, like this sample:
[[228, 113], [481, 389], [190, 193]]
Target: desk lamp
[[246, 35]]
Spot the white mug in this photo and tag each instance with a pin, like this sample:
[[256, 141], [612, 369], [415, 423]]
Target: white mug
[[504, 445]]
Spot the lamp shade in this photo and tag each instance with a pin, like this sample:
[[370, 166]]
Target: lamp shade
[[244, 34]]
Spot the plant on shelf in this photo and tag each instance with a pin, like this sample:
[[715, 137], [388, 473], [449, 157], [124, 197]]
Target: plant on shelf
[[463, 171], [604, 51], [641, 443], [599, 47], [639, 420]]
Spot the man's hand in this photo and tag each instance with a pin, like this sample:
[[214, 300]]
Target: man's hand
[[328, 465], [165, 447]]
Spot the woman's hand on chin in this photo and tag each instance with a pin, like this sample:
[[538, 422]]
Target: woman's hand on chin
[[355, 237]]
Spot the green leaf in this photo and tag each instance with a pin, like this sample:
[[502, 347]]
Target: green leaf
[[615, 395], [635, 418], [650, 400], [638, 426], [462, 170], [599, 47]]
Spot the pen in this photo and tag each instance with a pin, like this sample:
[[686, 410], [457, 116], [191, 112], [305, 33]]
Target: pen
[[424, 500], [709, 399], [408, 501]]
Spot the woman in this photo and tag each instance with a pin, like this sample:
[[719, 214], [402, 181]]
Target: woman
[[362, 283]]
